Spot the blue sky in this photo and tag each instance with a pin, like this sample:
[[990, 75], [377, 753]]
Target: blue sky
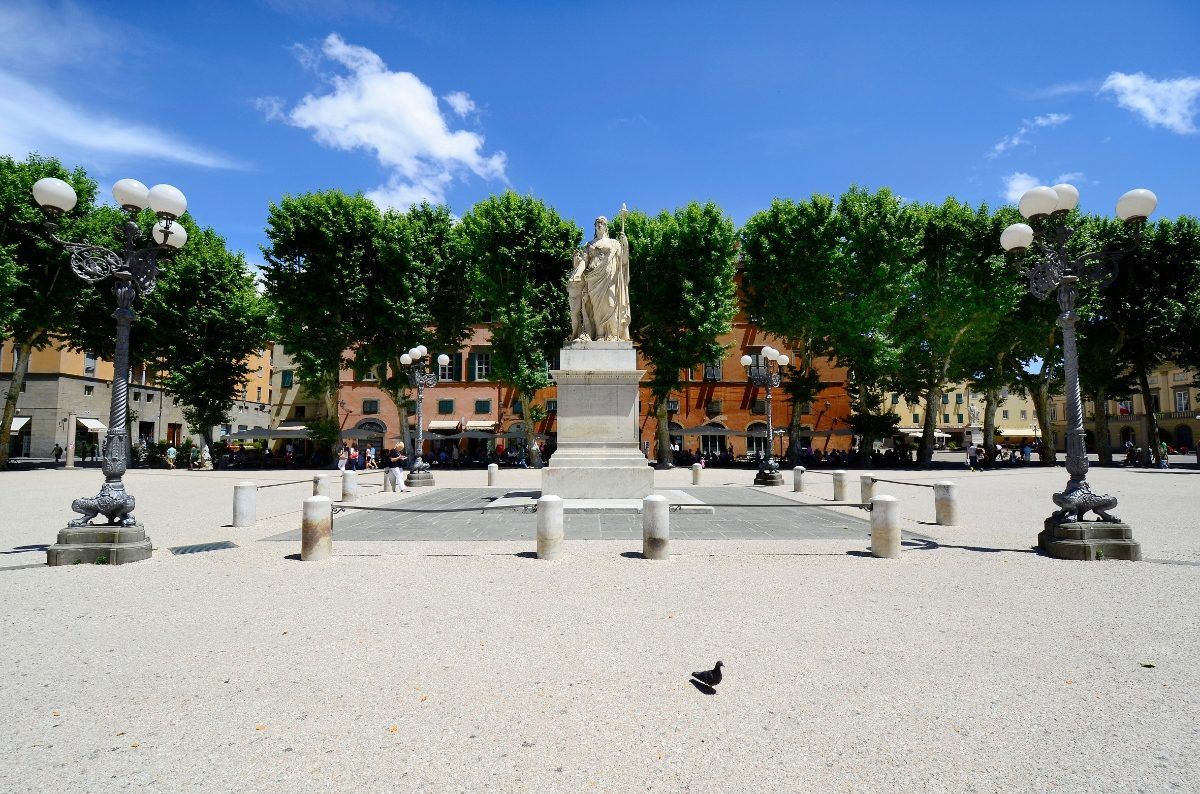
[[587, 105]]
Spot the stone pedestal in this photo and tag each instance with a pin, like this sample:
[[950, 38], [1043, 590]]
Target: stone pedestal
[[111, 545], [768, 478], [419, 478], [598, 455], [1089, 540]]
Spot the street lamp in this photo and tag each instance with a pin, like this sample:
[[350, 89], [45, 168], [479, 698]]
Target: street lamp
[[1042, 243], [422, 375], [766, 371], [133, 272]]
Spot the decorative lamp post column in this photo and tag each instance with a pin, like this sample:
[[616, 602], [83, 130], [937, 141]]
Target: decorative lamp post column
[[766, 372], [422, 375], [1041, 247], [133, 273]]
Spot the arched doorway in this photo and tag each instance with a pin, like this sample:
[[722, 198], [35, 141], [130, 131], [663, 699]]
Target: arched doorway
[[372, 433], [1128, 435], [1183, 437], [757, 444]]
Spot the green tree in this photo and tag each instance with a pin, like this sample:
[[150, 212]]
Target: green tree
[[420, 285], [46, 291], [322, 252], [520, 253], [681, 296]]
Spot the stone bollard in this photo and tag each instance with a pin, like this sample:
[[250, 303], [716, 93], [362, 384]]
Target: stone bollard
[[839, 485], [866, 488], [549, 527], [349, 485], [316, 529], [321, 485], [945, 504], [798, 479], [696, 470], [656, 527], [885, 527], [493, 474], [244, 494]]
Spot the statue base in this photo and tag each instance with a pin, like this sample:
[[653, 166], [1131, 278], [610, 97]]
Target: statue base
[[768, 478], [419, 478], [1089, 540], [100, 544], [598, 454]]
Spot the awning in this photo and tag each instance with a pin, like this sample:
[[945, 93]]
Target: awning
[[18, 423], [443, 425], [480, 424], [294, 433], [1019, 432], [92, 425], [920, 433]]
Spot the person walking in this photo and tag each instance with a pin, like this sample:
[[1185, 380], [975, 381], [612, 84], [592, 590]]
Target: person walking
[[395, 473], [58, 451], [172, 453], [371, 457], [343, 456], [972, 457]]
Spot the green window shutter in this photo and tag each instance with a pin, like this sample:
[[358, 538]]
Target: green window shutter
[[945, 399], [456, 364], [470, 366]]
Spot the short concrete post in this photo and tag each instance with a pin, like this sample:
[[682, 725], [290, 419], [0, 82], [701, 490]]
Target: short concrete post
[[244, 494], [71, 420], [321, 485], [945, 504], [885, 527], [316, 529], [696, 470], [866, 488], [349, 485], [839, 485], [656, 529], [493, 474], [798, 479], [549, 527]]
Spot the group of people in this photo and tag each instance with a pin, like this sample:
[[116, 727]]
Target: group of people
[[1144, 457], [350, 457], [1017, 456]]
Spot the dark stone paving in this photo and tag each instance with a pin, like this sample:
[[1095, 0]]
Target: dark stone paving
[[457, 514]]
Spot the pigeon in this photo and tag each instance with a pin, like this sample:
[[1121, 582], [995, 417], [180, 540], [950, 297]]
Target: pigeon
[[710, 677]]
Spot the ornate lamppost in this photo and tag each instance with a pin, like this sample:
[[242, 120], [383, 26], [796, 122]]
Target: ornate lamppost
[[1042, 249], [133, 272], [422, 375], [766, 371]]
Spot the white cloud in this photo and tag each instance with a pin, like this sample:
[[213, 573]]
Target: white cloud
[[1015, 184], [1160, 103], [35, 119], [1071, 177], [1021, 136], [1062, 89], [395, 117], [270, 106], [26, 40], [460, 103]]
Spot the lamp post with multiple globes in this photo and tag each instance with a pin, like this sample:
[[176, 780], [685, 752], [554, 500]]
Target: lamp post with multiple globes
[[133, 272], [766, 371], [422, 375], [1041, 246]]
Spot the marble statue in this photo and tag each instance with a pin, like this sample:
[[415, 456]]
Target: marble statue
[[973, 414], [599, 287]]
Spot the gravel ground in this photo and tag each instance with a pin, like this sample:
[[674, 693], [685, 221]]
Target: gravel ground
[[970, 664]]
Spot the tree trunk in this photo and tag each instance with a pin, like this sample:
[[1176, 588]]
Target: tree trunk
[[1151, 422], [991, 401], [20, 370], [933, 401], [1100, 427], [534, 460], [665, 457], [793, 450], [1041, 399]]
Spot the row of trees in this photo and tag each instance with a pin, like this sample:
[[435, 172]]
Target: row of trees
[[909, 297], [199, 326]]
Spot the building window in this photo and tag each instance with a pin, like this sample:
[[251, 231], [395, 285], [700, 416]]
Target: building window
[[242, 428], [1004, 414], [258, 393], [1053, 413], [945, 399], [1024, 414], [88, 391], [552, 406], [958, 399], [226, 429], [1156, 407], [483, 366], [758, 407], [517, 408], [483, 406], [945, 419], [672, 406], [445, 407], [958, 418], [287, 379], [916, 419], [370, 376], [149, 398], [450, 371], [713, 407], [298, 412], [369, 407], [1181, 401], [712, 371], [895, 398], [137, 396], [89, 362]]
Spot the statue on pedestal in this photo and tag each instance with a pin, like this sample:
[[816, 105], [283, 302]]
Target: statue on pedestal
[[599, 287]]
